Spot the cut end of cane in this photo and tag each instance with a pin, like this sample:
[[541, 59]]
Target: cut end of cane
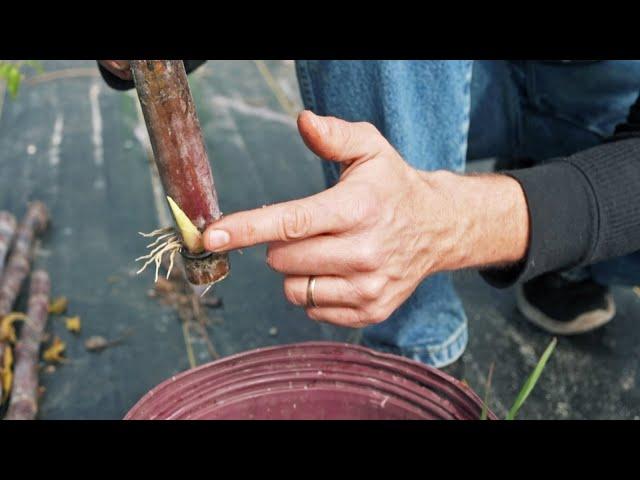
[[191, 236]]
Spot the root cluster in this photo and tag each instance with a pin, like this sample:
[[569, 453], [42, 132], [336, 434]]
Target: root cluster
[[167, 241]]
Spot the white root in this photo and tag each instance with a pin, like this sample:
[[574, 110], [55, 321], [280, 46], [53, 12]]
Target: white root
[[157, 257], [159, 231], [173, 254], [157, 240], [167, 242], [156, 249]]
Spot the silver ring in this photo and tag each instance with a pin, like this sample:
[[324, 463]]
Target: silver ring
[[311, 302]]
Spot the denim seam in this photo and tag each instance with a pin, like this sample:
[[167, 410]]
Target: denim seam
[[309, 99], [304, 80], [452, 358], [464, 140], [448, 356]]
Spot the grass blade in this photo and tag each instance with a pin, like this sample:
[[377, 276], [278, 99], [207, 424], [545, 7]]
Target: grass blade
[[532, 380], [487, 392]]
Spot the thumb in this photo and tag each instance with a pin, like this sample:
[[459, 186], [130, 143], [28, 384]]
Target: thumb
[[339, 141]]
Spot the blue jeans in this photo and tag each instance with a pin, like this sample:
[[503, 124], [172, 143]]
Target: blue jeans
[[438, 114]]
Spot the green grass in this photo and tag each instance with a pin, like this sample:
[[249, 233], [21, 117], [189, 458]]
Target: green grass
[[529, 385], [526, 389]]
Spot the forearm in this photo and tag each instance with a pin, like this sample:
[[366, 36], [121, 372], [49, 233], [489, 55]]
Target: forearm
[[489, 216], [566, 213]]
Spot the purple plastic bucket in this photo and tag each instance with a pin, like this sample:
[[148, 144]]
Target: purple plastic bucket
[[315, 380]]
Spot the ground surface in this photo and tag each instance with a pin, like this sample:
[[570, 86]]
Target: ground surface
[[80, 146]]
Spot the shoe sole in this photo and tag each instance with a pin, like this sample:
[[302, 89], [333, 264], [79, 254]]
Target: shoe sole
[[582, 324]]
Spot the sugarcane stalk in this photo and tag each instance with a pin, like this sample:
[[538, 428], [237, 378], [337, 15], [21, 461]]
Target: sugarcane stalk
[[182, 161], [23, 404], [34, 222], [7, 231]]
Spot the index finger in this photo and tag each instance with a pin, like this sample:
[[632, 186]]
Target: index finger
[[294, 220]]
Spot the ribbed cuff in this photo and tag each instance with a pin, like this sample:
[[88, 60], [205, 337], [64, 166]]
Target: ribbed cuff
[[563, 222], [613, 172]]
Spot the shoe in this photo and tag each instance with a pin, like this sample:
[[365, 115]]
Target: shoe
[[565, 307]]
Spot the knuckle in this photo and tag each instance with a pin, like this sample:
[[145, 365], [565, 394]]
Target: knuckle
[[378, 141], [367, 259], [369, 128], [247, 232], [372, 288], [294, 223]]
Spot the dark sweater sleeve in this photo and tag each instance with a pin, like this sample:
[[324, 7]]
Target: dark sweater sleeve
[[119, 84], [583, 208]]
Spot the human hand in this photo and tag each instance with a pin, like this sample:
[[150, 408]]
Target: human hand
[[373, 237], [365, 239]]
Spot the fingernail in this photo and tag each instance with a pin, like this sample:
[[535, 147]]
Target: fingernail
[[217, 239]]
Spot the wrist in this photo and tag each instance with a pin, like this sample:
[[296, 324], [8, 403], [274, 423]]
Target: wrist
[[489, 219]]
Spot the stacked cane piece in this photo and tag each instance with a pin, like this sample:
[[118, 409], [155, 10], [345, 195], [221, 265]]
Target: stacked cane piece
[[19, 355]]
